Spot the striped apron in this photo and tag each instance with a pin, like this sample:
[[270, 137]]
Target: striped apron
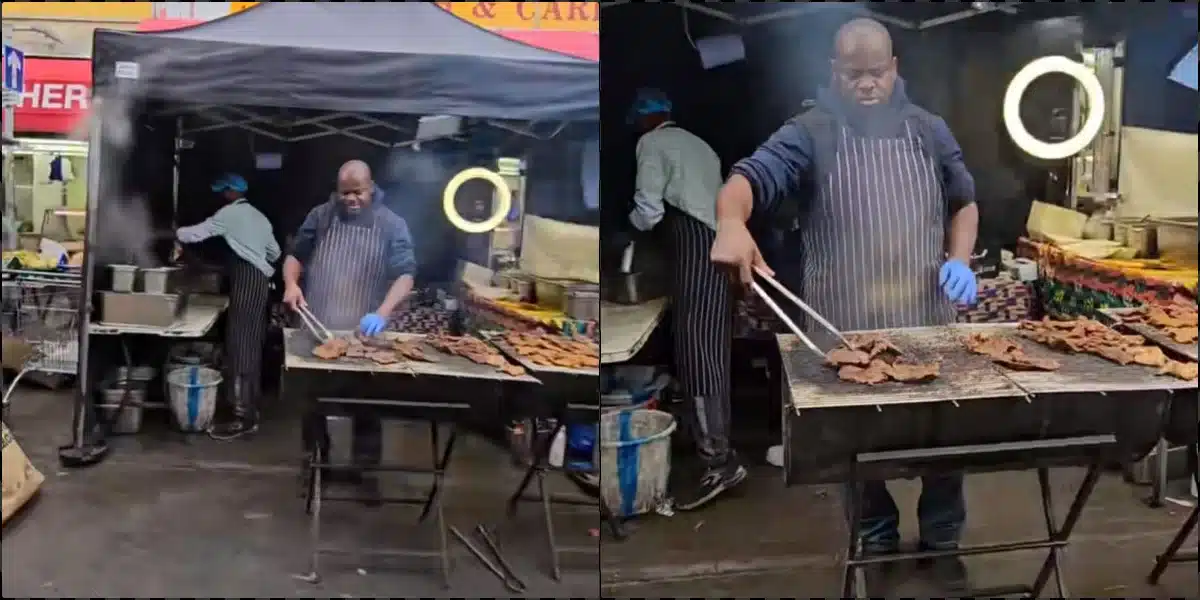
[[245, 335], [702, 322], [872, 248], [344, 281], [875, 238]]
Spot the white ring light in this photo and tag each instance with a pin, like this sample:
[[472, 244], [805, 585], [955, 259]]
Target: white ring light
[[502, 206], [1012, 107]]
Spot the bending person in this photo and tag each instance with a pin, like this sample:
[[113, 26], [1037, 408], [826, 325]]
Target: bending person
[[254, 250]]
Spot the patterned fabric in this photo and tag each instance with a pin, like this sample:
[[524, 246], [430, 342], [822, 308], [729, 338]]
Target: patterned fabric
[[487, 311], [1070, 285]]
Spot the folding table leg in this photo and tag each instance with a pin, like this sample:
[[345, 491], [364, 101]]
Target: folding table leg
[[851, 571], [1171, 554], [314, 522], [1051, 564], [441, 462], [548, 517], [541, 455], [1054, 559]]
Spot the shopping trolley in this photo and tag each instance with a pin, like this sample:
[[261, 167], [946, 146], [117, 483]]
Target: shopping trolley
[[40, 323]]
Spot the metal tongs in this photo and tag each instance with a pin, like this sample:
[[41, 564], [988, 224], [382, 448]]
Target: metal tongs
[[314, 324], [779, 312]]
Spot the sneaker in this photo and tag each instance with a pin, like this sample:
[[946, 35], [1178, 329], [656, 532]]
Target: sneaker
[[715, 481], [948, 572], [233, 429]]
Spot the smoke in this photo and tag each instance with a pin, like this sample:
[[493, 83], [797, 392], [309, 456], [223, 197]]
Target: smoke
[[125, 232]]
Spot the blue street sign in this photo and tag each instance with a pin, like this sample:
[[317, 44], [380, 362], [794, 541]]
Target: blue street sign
[[14, 69]]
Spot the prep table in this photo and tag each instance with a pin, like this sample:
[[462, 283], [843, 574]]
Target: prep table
[[975, 417]]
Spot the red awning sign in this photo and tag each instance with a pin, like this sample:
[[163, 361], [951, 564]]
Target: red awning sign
[[58, 92]]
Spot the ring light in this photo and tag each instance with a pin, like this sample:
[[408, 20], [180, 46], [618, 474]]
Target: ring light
[[1012, 107], [502, 207]]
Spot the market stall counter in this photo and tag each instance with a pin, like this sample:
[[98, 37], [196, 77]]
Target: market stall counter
[[974, 416]]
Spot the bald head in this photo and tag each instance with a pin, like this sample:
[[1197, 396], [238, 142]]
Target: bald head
[[354, 186], [863, 66]]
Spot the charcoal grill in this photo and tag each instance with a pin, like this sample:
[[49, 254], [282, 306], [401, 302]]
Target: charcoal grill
[[444, 392], [976, 417]]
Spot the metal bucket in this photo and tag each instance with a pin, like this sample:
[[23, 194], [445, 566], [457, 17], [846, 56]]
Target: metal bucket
[[635, 459], [193, 396], [125, 413]]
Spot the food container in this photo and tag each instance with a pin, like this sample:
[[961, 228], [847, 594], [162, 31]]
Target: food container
[[147, 310], [1142, 239], [582, 302], [124, 277], [1176, 238], [142, 374], [123, 405], [159, 280], [550, 292], [524, 289]]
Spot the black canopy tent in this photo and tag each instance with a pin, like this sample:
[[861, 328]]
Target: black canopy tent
[[365, 57], [357, 63]]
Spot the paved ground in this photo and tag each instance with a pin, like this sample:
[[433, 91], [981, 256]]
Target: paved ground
[[167, 516], [772, 541]]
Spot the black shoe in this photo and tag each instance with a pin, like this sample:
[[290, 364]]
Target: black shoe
[[948, 572], [233, 429], [716, 480]]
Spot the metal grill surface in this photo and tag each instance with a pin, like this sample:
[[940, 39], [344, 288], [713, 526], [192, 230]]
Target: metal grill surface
[[497, 340], [964, 376], [1080, 373], [299, 344], [1152, 334]]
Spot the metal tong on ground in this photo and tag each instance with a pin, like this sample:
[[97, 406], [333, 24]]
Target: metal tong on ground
[[499, 567], [314, 325], [779, 312]]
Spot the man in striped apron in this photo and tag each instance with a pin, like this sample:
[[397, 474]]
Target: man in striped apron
[[352, 264], [889, 224], [253, 252], [678, 176]]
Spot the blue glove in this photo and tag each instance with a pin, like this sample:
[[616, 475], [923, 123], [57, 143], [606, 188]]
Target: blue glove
[[371, 324], [958, 282]]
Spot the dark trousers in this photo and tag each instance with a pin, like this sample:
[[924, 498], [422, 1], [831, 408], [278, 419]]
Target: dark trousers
[[941, 511], [702, 331]]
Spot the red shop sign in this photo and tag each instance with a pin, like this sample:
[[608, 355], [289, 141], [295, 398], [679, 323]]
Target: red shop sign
[[58, 92]]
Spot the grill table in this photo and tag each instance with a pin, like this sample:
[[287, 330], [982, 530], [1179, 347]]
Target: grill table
[[444, 392], [976, 417]]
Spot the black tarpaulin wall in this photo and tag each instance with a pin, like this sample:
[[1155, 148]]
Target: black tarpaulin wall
[[387, 57]]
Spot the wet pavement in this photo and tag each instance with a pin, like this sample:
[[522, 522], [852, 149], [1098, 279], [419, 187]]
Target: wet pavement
[[168, 515], [770, 541]]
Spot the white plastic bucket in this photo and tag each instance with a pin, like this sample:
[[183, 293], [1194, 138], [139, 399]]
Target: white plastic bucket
[[192, 396], [635, 459]]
